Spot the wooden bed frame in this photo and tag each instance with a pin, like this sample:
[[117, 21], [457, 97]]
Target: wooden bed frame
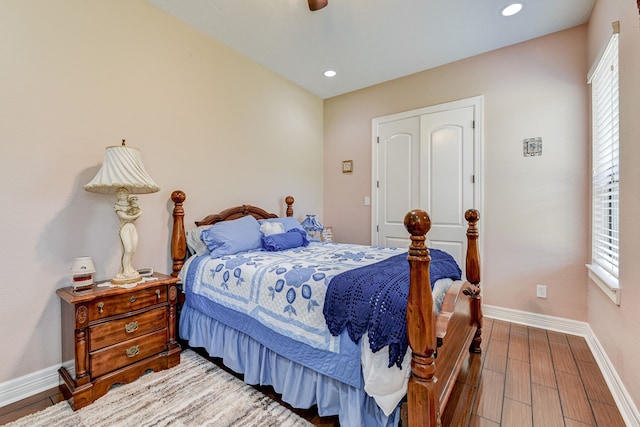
[[439, 344]]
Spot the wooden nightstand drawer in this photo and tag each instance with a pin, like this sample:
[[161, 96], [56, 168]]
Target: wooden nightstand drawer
[[119, 355], [109, 333], [101, 308]]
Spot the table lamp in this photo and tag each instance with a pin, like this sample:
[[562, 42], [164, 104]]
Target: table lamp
[[123, 174]]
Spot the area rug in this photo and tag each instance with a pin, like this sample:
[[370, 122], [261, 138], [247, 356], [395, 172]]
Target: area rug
[[194, 393]]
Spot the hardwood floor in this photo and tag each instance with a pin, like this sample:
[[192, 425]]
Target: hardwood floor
[[524, 377], [30, 405], [531, 377]]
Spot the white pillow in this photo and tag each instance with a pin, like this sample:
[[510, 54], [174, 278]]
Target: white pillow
[[195, 243], [269, 228]]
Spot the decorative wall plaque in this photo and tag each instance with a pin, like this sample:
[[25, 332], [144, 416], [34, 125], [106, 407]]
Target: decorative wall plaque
[[532, 147]]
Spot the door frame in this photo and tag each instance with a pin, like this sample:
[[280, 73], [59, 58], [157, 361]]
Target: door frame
[[477, 102]]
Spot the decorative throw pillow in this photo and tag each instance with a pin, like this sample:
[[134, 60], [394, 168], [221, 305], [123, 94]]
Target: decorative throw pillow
[[269, 228], [231, 237], [288, 222], [194, 241], [293, 238]]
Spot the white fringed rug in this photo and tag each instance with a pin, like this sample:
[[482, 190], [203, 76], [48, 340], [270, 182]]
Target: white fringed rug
[[194, 393]]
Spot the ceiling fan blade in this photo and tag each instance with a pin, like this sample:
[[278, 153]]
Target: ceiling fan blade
[[317, 4]]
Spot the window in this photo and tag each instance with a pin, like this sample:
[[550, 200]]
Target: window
[[606, 170]]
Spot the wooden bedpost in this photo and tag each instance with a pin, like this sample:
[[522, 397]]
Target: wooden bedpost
[[421, 326], [473, 276], [178, 239], [289, 201]]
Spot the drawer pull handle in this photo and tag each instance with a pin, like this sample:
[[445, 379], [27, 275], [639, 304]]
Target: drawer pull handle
[[133, 351], [131, 327], [100, 307], [132, 299], [158, 293]]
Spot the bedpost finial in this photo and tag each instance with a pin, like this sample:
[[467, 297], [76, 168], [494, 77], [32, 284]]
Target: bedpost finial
[[417, 222], [289, 201], [178, 196], [472, 215]]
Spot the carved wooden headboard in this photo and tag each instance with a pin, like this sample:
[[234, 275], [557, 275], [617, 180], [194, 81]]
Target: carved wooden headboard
[[178, 235]]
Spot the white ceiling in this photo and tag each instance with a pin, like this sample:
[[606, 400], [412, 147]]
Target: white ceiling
[[369, 41]]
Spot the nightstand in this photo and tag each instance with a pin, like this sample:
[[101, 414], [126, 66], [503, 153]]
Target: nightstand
[[115, 335]]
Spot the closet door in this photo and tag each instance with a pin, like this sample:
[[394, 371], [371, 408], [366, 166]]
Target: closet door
[[425, 160], [398, 182], [447, 177]]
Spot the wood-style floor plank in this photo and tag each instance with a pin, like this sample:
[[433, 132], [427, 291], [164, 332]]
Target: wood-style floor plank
[[518, 381], [519, 329], [538, 340], [580, 349], [568, 422], [607, 415], [490, 395], [516, 414], [547, 410], [557, 384], [500, 331], [496, 357], [573, 398], [477, 421], [594, 383], [563, 360], [519, 347], [558, 337], [30, 405], [542, 371]]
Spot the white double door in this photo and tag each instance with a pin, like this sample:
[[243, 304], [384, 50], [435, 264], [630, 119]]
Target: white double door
[[427, 159]]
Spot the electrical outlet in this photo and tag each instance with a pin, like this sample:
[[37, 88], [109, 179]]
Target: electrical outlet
[[541, 291]]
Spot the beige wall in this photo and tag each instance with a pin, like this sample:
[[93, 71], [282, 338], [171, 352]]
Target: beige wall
[[535, 210], [78, 76], [617, 327]]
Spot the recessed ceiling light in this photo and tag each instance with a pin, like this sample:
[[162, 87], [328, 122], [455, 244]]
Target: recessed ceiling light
[[329, 73], [512, 9]]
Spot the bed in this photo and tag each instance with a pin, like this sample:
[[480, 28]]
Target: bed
[[269, 343]]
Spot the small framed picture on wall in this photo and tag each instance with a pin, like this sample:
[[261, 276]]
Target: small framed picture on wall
[[347, 166]]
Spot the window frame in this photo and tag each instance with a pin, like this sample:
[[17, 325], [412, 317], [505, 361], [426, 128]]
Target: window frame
[[605, 183]]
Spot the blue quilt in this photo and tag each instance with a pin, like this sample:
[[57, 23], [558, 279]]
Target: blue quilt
[[284, 291], [374, 299]]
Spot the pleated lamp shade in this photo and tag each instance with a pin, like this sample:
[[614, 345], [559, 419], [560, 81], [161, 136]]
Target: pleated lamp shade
[[122, 168]]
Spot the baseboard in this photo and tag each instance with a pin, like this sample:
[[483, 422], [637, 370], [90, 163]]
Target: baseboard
[[626, 406], [30, 384]]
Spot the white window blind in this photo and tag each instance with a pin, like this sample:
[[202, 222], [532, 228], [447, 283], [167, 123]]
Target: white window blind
[[606, 165]]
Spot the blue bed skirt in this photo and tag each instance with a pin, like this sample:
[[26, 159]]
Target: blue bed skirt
[[298, 385]]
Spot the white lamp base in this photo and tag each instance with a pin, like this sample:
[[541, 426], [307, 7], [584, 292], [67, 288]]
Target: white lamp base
[[123, 279], [128, 211]]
